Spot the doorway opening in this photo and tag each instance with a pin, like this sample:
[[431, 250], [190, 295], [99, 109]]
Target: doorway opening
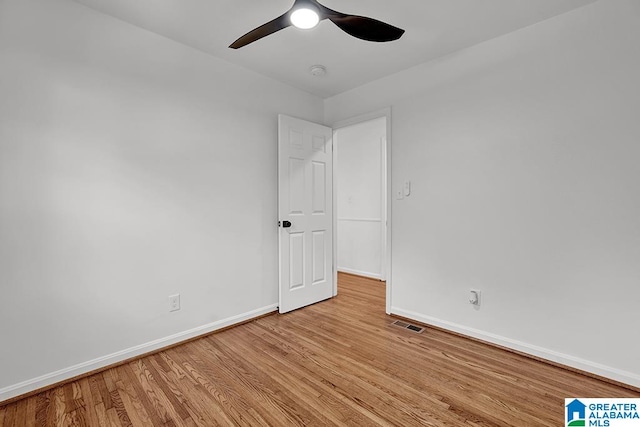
[[361, 198]]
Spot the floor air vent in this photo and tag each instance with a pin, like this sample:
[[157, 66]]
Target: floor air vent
[[409, 326]]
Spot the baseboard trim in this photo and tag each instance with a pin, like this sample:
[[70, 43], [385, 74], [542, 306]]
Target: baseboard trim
[[359, 273], [606, 373], [37, 385]]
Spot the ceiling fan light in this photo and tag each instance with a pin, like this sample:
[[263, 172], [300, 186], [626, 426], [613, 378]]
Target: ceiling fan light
[[305, 18]]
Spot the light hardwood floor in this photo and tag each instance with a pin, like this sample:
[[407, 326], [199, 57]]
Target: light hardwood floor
[[338, 362]]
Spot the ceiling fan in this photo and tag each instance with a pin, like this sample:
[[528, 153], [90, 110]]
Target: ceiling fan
[[307, 14]]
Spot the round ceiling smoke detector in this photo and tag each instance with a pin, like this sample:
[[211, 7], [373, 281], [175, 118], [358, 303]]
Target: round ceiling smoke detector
[[318, 70]]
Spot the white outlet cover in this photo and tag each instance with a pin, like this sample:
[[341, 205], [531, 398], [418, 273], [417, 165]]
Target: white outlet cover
[[174, 302]]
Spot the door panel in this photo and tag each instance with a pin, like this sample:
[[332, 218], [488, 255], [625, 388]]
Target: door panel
[[319, 188], [296, 186], [319, 257], [296, 263], [305, 198]]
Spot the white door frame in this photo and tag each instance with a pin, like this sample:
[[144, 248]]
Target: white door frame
[[386, 112]]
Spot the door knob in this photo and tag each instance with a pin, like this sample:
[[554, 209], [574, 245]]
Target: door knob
[[286, 224]]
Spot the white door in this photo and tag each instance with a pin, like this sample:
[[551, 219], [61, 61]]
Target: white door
[[305, 207]]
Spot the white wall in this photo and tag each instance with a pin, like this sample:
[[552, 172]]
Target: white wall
[[523, 153], [131, 168], [360, 198]]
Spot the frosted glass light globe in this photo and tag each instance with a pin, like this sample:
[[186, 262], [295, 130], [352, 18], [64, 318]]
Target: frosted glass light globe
[[305, 18]]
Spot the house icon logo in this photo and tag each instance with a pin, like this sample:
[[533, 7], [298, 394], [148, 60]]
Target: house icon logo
[[576, 413]]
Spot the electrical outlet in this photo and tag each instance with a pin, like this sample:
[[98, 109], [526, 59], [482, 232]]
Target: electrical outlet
[[174, 302], [474, 297]]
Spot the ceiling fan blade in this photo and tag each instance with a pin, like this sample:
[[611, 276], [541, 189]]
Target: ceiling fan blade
[[366, 28], [262, 31]]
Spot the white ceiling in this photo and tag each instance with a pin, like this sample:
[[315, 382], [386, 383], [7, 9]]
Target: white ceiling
[[433, 28]]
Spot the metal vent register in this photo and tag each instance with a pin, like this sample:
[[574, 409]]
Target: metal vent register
[[409, 326]]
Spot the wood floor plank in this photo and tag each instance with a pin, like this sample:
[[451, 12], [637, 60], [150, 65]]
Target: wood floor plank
[[222, 379], [161, 404], [110, 379], [21, 413], [112, 417], [175, 367], [156, 416], [376, 381], [278, 397], [339, 362], [42, 408], [205, 402], [371, 376], [101, 414], [90, 412], [101, 391], [30, 416], [58, 407], [170, 390], [134, 408], [353, 357], [288, 375], [9, 415]]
